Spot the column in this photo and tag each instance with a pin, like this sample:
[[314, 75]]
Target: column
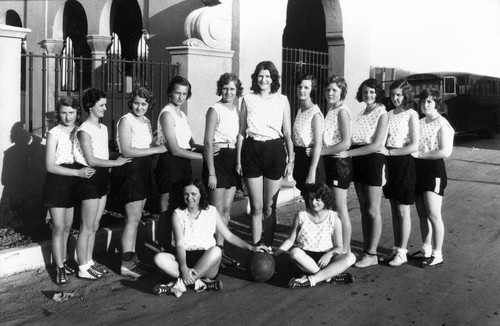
[[99, 45]]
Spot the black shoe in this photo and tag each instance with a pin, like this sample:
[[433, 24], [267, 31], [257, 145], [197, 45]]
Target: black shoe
[[343, 278], [162, 289], [213, 284], [299, 283], [99, 268], [61, 278], [432, 262], [69, 269]]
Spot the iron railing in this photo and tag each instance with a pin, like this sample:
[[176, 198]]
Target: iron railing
[[48, 77], [297, 62]]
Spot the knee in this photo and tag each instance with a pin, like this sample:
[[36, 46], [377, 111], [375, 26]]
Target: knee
[[215, 252], [296, 253], [256, 210], [161, 259], [349, 258]]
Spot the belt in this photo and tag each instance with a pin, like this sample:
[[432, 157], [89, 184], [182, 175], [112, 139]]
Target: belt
[[225, 145]]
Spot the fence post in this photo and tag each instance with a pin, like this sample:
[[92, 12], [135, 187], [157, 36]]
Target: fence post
[[10, 65]]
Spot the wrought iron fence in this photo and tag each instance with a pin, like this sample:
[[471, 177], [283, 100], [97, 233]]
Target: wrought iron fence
[[297, 62], [48, 77]]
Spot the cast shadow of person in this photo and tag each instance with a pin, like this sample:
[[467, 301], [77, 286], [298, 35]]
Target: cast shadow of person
[[23, 176]]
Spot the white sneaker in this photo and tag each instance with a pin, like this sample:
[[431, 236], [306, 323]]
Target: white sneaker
[[398, 260], [367, 260]]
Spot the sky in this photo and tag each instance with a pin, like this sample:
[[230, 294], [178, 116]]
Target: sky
[[436, 35]]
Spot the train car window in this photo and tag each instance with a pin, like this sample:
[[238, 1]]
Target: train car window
[[449, 85]]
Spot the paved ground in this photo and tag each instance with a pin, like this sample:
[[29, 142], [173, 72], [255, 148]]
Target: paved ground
[[465, 291]]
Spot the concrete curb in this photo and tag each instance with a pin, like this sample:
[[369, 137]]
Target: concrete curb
[[38, 255]]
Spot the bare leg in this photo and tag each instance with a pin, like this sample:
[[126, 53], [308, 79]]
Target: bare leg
[[342, 210], [303, 261], [425, 228], [271, 192], [95, 227], [396, 222], [404, 217], [338, 264], [163, 202], [133, 212], [255, 193], [167, 264], [208, 265], [89, 211], [363, 203], [433, 203], [222, 199], [62, 218], [375, 218]]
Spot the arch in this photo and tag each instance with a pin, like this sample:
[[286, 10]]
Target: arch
[[13, 19], [126, 22], [334, 36]]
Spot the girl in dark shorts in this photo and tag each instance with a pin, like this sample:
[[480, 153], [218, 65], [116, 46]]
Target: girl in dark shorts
[[175, 134], [195, 257], [221, 131], [368, 137], [402, 140], [62, 177], [91, 149], [307, 136], [264, 126], [315, 242], [336, 139], [436, 143], [134, 139]]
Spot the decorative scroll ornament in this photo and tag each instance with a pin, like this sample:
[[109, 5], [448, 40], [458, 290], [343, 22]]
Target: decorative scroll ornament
[[210, 26]]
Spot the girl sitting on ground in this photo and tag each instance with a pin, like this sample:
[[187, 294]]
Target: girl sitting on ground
[[316, 242]]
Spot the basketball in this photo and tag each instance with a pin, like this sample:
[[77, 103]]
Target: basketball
[[261, 266]]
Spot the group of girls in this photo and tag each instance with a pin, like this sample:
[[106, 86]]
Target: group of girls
[[254, 139]]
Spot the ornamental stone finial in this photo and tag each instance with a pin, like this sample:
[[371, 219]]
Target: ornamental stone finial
[[210, 26]]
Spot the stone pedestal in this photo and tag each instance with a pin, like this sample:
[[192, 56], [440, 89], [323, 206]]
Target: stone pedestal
[[202, 67], [99, 45], [10, 68]]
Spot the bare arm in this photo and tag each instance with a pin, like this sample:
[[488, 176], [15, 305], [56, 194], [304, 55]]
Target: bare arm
[[208, 154], [344, 123], [287, 134], [241, 135], [125, 136], [180, 250], [88, 153], [290, 241], [167, 124], [337, 234], [317, 127]]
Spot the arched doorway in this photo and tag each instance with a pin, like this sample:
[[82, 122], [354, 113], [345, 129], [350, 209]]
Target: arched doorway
[[126, 22]]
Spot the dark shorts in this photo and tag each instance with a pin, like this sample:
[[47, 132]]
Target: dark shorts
[[192, 256], [225, 168], [171, 169], [301, 169], [315, 255], [338, 171], [401, 178], [60, 190], [133, 180], [369, 169], [96, 186], [263, 158], [431, 176]]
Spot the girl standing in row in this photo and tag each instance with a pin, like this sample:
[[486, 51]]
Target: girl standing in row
[[264, 126], [91, 150], [402, 140], [134, 139], [61, 181]]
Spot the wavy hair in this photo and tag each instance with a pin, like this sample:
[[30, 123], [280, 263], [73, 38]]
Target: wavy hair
[[340, 82], [179, 80], [375, 84], [204, 202], [432, 93], [314, 83], [144, 93], [91, 97], [70, 101], [407, 91], [275, 76], [323, 192], [226, 79]]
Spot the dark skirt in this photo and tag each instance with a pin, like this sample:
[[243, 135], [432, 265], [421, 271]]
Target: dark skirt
[[171, 169], [96, 186], [60, 190], [133, 179], [301, 170], [401, 178], [338, 171]]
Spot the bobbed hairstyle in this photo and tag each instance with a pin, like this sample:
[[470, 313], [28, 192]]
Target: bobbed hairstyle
[[340, 82], [179, 80], [71, 102], [314, 83], [144, 93], [275, 76], [407, 91], [204, 203], [375, 84], [91, 97], [432, 93], [323, 192], [226, 79]]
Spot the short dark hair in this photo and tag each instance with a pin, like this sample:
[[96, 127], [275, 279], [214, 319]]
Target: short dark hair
[[144, 93], [432, 93], [91, 97], [340, 82], [179, 80], [375, 84], [204, 202], [70, 101], [323, 192], [226, 79], [407, 91], [275, 76], [314, 83]]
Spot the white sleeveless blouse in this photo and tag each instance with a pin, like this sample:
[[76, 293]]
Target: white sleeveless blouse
[[227, 127], [199, 234], [315, 237], [99, 138], [182, 130], [365, 126], [331, 134], [64, 149], [429, 134], [302, 129], [399, 128], [142, 134], [265, 116]]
